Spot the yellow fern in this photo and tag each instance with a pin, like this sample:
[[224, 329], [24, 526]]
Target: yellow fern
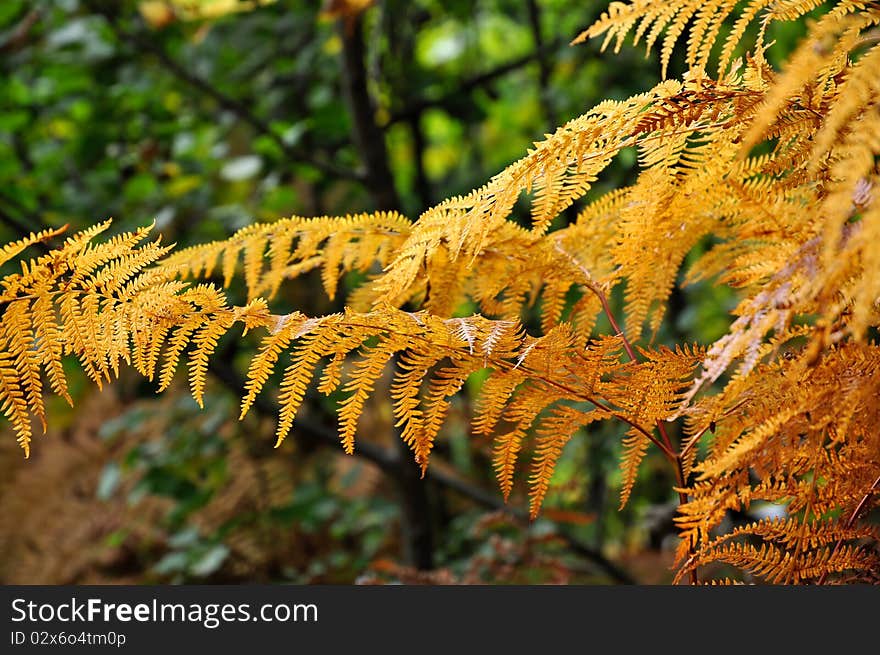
[[764, 181]]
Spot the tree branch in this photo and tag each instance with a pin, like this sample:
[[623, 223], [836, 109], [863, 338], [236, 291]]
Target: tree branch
[[483, 79], [368, 137], [242, 111], [544, 69]]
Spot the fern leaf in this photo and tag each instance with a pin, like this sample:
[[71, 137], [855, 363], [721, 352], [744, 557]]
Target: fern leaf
[[205, 342], [312, 347], [635, 445], [364, 375], [262, 364], [553, 434], [12, 250]]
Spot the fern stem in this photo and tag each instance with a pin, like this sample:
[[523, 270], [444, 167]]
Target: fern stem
[[667, 450], [592, 286], [674, 458], [850, 522], [694, 440]]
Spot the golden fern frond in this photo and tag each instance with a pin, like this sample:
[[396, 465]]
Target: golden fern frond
[[105, 304], [18, 340], [177, 343], [285, 330], [522, 412], [526, 375], [363, 378], [11, 250], [494, 396], [770, 309], [205, 342], [803, 436], [772, 563], [14, 402], [653, 17], [635, 445], [866, 290], [405, 392], [558, 171], [809, 548], [553, 433], [789, 531], [764, 181], [465, 246], [282, 250], [48, 337], [811, 71], [446, 382], [315, 344], [654, 389]]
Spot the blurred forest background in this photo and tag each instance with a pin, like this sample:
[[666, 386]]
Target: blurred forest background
[[206, 116]]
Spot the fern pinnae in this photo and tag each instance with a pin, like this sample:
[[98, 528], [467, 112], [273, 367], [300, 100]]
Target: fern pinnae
[[117, 274], [75, 333], [263, 362], [705, 31], [493, 398], [749, 13], [553, 304], [279, 257], [331, 376], [521, 412], [175, 347], [674, 30], [13, 402], [253, 265], [154, 350], [505, 452], [446, 382], [205, 342], [12, 250], [19, 337], [405, 392], [795, 421], [119, 335], [315, 341], [635, 446], [48, 337], [92, 256], [553, 433], [334, 255], [363, 378]]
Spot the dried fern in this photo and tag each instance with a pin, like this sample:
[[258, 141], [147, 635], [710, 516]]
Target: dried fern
[[781, 409]]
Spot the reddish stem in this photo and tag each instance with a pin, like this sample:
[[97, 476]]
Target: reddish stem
[[850, 522], [676, 459]]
